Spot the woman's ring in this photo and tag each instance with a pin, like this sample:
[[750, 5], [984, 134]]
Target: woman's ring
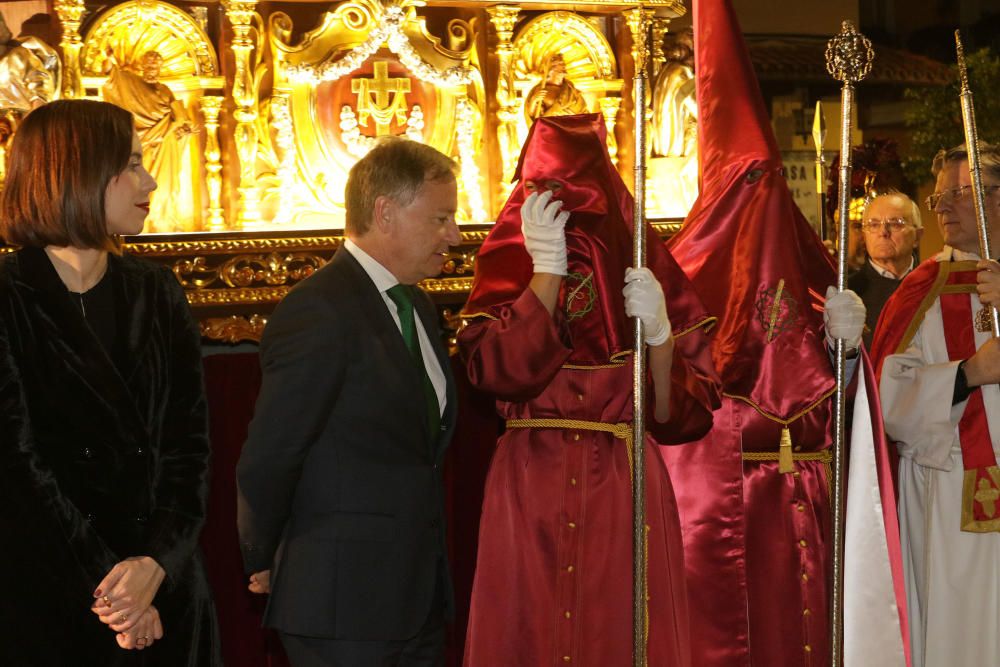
[[124, 617]]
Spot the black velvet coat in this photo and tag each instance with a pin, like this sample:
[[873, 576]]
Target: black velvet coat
[[101, 459]]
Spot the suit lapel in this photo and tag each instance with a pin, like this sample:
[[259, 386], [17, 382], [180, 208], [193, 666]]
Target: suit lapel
[[375, 310], [377, 313]]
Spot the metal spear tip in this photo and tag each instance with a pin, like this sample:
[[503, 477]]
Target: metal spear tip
[[819, 127], [963, 71], [849, 55]]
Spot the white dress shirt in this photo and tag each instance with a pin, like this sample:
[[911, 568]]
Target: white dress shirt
[[886, 273], [384, 280]]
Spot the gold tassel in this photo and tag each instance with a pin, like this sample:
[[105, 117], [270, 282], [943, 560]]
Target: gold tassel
[[785, 462]]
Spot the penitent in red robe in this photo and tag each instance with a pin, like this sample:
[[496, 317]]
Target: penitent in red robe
[[553, 581]]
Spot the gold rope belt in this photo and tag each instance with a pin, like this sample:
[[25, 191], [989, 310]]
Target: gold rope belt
[[620, 430], [825, 457]]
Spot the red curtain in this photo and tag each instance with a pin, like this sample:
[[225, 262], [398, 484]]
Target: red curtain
[[232, 381]]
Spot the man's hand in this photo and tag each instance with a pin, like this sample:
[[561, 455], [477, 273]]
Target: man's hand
[[984, 366], [127, 591], [260, 582], [644, 299], [989, 282], [142, 635], [843, 317], [544, 229]]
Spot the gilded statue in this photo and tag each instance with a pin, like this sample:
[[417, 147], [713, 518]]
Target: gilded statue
[[674, 160], [29, 72], [555, 95], [675, 110], [169, 142]]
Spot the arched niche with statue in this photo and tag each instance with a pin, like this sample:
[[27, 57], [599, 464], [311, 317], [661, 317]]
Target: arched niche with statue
[[369, 70], [156, 61]]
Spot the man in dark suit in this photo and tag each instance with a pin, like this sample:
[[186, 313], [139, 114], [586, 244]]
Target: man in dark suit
[[341, 512]]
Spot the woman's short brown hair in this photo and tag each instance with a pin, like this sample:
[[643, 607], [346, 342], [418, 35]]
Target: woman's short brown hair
[[62, 158]]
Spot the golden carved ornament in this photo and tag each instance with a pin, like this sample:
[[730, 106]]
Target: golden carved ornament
[[247, 270], [70, 13], [133, 28], [365, 60], [233, 329], [590, 66], [237, 297], [230, 246], [271, 295], [247, 48]]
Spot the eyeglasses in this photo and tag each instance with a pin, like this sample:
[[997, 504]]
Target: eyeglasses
[[874, 225], [953, 194]]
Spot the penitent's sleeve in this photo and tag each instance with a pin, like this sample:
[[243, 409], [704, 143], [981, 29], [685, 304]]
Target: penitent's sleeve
[[516, 355]]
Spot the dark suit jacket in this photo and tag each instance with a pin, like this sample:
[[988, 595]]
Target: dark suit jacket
[[874, 290], [100, 459], [340, 482]]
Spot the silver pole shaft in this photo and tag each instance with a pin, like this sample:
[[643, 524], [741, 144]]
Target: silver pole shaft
[[840, 397], [639, 388]]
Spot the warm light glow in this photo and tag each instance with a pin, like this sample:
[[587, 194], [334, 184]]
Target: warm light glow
[[390, 32]]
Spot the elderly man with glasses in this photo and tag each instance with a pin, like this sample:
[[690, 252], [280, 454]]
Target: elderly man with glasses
[[938, 368], [891, 228]]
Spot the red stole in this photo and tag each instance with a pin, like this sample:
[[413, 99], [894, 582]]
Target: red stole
[[952, 283]]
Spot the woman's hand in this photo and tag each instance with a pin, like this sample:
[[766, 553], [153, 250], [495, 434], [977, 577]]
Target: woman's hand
[[146, 630], [127, 592]]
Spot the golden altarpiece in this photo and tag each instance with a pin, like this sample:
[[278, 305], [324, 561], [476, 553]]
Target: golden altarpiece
[[251, 114]]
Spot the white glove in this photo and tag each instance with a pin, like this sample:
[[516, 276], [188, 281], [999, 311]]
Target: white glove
[[843, 317], [544, 229], [644, 299]]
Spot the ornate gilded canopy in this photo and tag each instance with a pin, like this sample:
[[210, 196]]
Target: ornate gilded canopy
[[251, 115]]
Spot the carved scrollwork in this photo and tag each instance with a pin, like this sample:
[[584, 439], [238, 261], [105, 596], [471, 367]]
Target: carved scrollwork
[[195, 273], [459, 264], [245, 271], [234, 329], [272, 269]]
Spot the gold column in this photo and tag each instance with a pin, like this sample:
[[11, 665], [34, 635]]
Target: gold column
[[281, 121], [70, 14], [503, 18], [609, 108], [241, 14], [639, 21], [659, 28], [211, 105]]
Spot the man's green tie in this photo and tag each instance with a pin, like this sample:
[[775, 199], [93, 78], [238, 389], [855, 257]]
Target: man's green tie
[[402, 296]]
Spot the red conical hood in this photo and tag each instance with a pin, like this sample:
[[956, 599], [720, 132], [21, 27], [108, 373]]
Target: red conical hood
[[732, 121], [755, 261]]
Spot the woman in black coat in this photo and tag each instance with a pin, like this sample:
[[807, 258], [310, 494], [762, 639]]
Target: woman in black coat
[[103, 434]]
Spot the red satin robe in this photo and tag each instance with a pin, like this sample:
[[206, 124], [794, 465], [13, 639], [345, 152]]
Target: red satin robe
[[757, 540], [554, 573]]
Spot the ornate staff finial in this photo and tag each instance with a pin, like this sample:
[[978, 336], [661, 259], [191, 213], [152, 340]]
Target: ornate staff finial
[[849, 55], [963, 72]]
